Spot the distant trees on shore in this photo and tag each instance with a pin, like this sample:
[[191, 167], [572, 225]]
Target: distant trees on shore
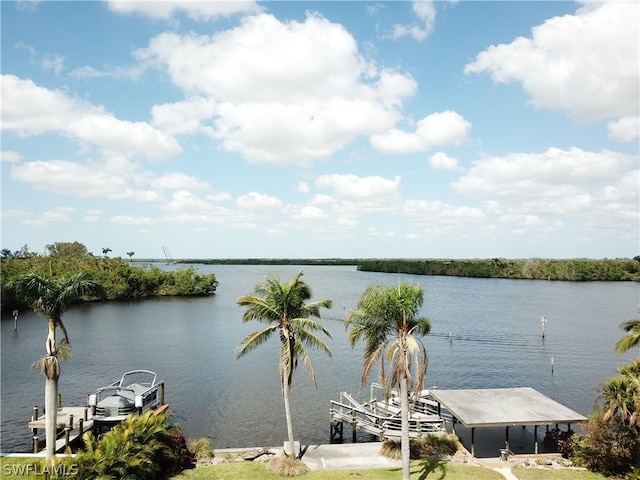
[[119, 278], [580, 270]]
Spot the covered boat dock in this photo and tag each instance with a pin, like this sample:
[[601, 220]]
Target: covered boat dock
[[504, 407]]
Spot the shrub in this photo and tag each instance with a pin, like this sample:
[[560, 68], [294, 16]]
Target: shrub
[[561, 440], [202, 450], [184, 458], [609, 447], [141, 447], [286, 466], [443, 444], [392, 448], [430, 445]]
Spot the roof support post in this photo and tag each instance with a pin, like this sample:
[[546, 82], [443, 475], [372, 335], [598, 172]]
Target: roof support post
[[473, 441], [506, 433], [535, 439]]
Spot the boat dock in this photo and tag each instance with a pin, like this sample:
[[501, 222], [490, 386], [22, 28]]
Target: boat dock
[[72, 422], [382, 418]]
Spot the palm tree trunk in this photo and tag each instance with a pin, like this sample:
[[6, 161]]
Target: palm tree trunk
[[51, 415], [287, 413], [51, 372], [404, 433]]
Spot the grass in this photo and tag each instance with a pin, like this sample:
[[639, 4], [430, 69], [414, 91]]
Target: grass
[[424, 469], [17, 468], [524, 473]]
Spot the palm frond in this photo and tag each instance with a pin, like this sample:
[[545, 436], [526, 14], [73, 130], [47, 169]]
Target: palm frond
[[48, 366], [301, 354], [254, 340], [632, 339], [372, 359], [308, 339], [309, 325], [64, 350]]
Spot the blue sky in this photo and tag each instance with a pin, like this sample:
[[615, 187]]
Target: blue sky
[[322, 129]]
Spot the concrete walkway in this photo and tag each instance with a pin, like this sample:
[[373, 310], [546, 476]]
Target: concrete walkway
[[337, 456], [503, 468], [346, 455], [367, 455], [506, 473]]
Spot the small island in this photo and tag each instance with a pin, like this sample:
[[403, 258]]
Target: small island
[[120, 279]]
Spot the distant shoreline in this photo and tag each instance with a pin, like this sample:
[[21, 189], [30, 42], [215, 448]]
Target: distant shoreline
[[576, 270]]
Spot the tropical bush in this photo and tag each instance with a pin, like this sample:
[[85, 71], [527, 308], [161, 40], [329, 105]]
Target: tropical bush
[[611, 444], [444, 444], [141, 447], [119, 278], [201, 449], [392, 448], [287, 466], [429, 445], [609, 447]]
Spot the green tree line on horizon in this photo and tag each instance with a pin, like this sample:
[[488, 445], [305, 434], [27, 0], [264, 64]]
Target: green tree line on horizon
[[580, 270], [120, 279]]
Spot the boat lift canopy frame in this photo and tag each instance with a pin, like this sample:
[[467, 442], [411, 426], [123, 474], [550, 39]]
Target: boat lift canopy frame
[[506, 407]]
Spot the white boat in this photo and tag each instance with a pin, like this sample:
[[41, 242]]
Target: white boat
[[135, 393]]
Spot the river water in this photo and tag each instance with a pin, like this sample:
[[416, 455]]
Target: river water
[[486, 333]]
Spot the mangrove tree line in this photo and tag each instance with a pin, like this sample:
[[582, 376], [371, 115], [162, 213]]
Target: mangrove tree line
[[580, 270], [120, 279]]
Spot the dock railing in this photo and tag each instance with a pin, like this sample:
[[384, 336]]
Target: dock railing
[[376, 420]]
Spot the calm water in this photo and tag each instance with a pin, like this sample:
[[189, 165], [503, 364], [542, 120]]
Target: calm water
[[495, 326]]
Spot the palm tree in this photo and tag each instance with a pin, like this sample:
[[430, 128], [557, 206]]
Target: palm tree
[[284, 308], [131, 254], [105, 251], [621, 394], [386, 320], [632, 327], [50, 297]]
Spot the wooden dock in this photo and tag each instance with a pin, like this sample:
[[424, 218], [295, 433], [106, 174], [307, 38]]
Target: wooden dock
[[72, 421]]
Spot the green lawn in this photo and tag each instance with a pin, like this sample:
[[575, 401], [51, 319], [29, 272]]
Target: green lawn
[[15, 468], [555, 474], [426, 469]]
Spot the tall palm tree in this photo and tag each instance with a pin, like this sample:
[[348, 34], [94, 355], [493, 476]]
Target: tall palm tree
[[386, 319], [632, 327], [50, 297], [284, 308]]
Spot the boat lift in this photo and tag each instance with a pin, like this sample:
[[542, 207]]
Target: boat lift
[[383, 418]]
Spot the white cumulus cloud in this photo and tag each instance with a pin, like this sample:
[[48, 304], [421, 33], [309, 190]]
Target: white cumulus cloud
[[586, 64], [441, 161], [284, 92], [426, 15], [29, 109], [626, 129], [437, 129], [200, 10], [258, 201], [354, 187]]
